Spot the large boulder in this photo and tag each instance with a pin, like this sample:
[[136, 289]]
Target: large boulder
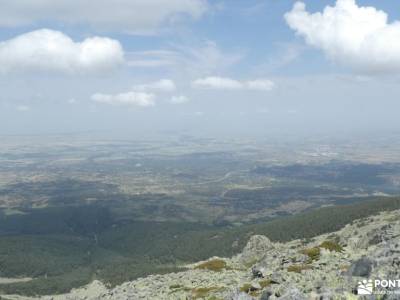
[[361, 267], [256, 248]]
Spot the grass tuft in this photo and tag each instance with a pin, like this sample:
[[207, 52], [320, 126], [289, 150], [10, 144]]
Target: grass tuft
[[331, 246], [203, 292], [216, 265], [312, 253], [298, 268]]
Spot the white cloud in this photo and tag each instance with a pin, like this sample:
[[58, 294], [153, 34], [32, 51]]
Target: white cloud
[[152, 58], [360, 37], [220, 83], [223, 83], [149, 63], [49, 50], [199, 60], [132, 16], [125, 99], [140, 95], [72, 101], [192, 60], [162, 85], [22, 107], [260, 85], [179, 99]]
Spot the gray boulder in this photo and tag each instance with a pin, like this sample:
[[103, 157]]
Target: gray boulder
[[266, 295], [361, 267], [256, 248]]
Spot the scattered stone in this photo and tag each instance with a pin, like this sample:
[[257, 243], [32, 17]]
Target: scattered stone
[[266, 295], [259, 272]]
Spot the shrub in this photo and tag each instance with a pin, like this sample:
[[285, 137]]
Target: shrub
[[246, 288], [215, 265], [331, 246], [298, 268], [312, 253], [249, 289]]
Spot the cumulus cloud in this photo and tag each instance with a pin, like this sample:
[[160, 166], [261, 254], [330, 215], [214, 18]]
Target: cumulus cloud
[[163, 85], [125, 99], [140, 95], [49, 50], [356, 36], [218, 83], [179, 99], [138, 16], [223, 83]]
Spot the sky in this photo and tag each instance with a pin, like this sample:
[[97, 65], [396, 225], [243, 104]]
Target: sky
[[201, 67]]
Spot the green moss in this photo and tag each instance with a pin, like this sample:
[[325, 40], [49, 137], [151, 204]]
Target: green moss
[[312, 253], [216, 265], [331, 246], [298, 268]]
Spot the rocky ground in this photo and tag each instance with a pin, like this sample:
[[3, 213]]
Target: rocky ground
[[326, 267]]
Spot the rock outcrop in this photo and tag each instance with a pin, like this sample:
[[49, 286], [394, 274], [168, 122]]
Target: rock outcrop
[[327, 267]]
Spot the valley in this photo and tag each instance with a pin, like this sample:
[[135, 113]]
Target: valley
[[76, 211]]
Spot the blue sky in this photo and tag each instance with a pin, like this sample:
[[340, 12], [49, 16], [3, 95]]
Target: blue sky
[[251, 67]]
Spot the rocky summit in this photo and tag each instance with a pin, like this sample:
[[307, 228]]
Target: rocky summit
[[330, 266]]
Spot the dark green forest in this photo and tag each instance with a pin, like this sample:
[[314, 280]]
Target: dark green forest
[[68, 247]]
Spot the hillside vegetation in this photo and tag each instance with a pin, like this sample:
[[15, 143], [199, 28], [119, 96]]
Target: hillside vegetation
[[69, 247]]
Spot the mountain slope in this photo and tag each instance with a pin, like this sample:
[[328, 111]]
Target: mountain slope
[[328, 265]]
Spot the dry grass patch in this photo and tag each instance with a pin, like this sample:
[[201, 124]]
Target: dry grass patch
[[264, 283], [298, 268], [331, 246], [176, 286], [216, 265], [249, 289], [312, 253], [203, 292]]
